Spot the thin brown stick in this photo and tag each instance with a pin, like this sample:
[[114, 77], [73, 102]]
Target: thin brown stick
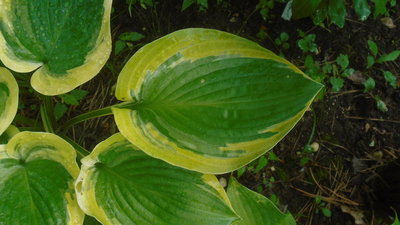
[[371, 119]]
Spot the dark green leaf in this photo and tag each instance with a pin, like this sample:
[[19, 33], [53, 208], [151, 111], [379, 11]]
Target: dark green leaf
[[369, 84], [307, 43], [321, 13], [381, 105], [304, 161], [343, 61], [309, 62], [304, 8], [263, 35], [91, 221], [272, 156], [370, 61], [262, 162], [284, 36], [186, 4], [362, 9], [327, 68], [347, 72], [131, 36], [337, 83], [337, 12], [373, 47], [70, 99], [79, 94], [389, 77], [241, 171], [59, 110], [119, 46], [389, 57], [327, 212], [285, 45], [396, 221], [380, 7], [203, 4]]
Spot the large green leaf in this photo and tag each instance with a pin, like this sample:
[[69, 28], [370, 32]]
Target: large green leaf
[[120, 184], [37, 174], [304, 8], [69, 41], [209, 101], [254, 208], [8, 98]]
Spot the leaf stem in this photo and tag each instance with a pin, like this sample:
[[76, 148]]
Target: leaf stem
[[97, 113], [87, 116], [46, 112], [81, 151]]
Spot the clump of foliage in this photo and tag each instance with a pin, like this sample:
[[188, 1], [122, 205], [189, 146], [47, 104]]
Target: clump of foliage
[[178, 123], [335, 11]]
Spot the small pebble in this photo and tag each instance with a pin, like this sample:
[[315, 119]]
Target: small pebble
[[222, 181]]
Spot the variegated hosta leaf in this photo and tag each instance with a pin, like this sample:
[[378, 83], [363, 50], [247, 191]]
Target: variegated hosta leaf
[[69, 40], [119, 184], [209, 101], [8, 98], [37, 174], [254, 208], [8, 134]]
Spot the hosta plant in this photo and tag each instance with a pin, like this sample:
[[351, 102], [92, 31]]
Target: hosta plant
[[66, 43], [196, 102], [8, 98], [209, 101]]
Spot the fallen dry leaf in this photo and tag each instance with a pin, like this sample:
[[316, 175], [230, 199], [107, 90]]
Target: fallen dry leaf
[[355, 213], [387, 21], [357, 77]]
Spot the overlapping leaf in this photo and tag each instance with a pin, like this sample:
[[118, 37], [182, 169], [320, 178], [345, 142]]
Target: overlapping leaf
[[8, 98], [37, 174], [120, 184], [69, 41], [254, 208], [209, 101], [8, 134]]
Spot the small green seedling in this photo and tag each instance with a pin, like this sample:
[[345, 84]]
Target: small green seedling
[[282, 40], [265, 7], [313, 69], [71, 98], [337, 83], [322, 207], [342, 69], [369, 84], [257, 166], [390, 78], [372, 59], [381, 105], [125, 40], [307, 44]]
